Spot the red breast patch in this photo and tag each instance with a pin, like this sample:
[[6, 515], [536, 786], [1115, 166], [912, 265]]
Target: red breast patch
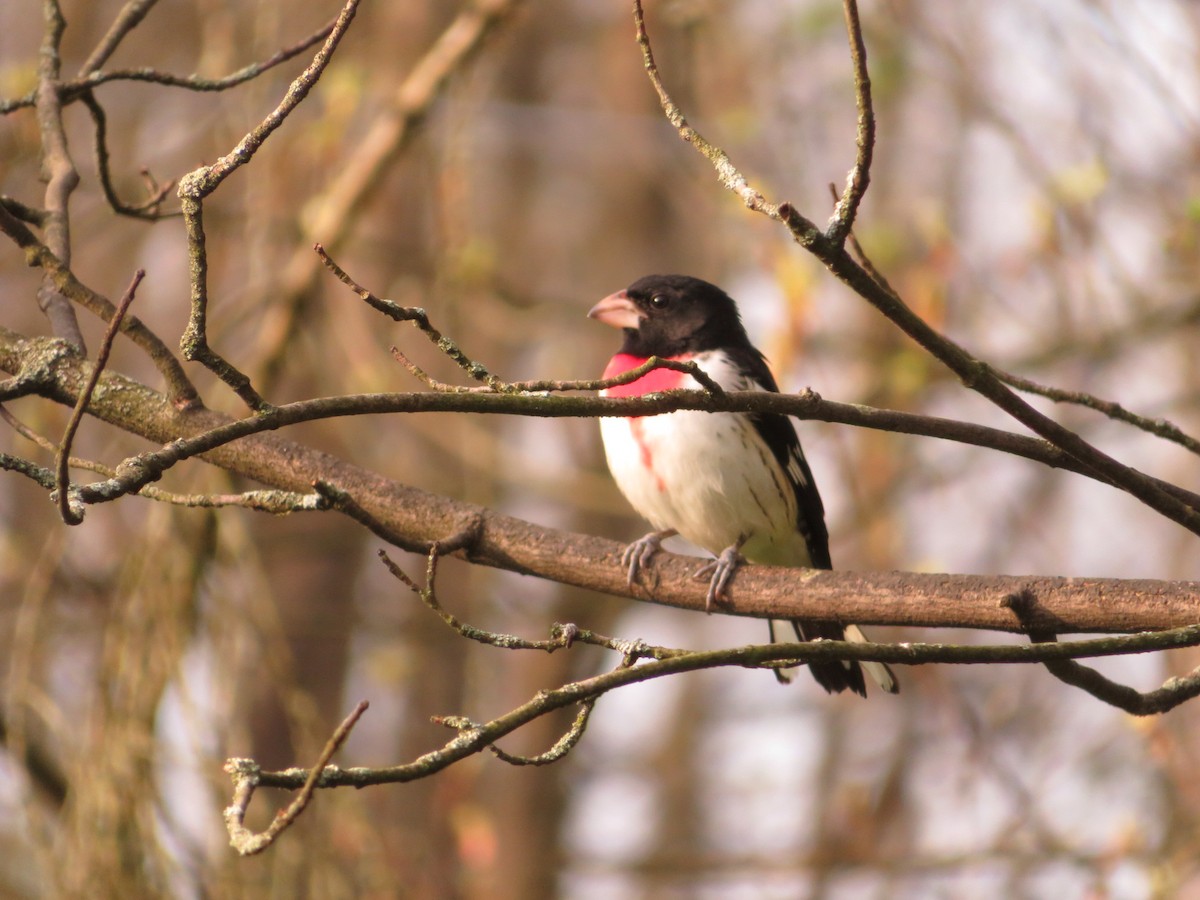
[[650, 383]]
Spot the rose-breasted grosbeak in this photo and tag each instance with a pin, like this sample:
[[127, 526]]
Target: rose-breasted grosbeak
[[735, 484]]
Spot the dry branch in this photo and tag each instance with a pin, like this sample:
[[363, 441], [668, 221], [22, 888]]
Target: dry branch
[[416, 519]]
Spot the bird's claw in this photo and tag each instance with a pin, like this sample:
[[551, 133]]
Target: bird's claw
[[637, 555], [721, 569]]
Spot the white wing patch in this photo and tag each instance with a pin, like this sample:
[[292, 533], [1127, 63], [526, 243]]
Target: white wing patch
[[795, 469]]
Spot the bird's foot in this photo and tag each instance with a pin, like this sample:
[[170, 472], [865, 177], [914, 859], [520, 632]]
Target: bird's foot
[[638, 554], [721, 570]]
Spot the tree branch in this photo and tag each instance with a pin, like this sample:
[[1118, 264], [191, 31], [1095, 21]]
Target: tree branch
[[472, 738], [415, 519]]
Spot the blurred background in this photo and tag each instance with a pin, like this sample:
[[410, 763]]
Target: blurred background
[[1035, 194]]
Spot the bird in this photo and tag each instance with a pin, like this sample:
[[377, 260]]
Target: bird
[[734, 484]]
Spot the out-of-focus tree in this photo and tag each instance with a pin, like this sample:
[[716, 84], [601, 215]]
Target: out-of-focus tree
[[503, 164]]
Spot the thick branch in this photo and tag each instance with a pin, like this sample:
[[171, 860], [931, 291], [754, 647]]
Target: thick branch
[[416, 519]]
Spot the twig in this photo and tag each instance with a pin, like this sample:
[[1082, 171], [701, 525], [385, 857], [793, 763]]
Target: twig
[[1159, 427], [275, 502], [89, 76], [562, 636], [599, 384], [127, 20], [726, 171], [419, 317], [195, 82], [22, 212], [269, 501], [861, 257], [473, 738], [842, 221], [147, 467], [246, 778], [150, 207], [71, 515], [200, 183], [1172, 693], [561, 748], [491, 383]]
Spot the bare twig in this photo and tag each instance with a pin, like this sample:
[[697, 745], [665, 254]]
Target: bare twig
[[599, 384], [147, 467], [417, 316], [491, 383], [90, 77], [268, 501], [473, 738], [1171, 694], [561, 748], [246, 777], [860, 255], [1159, 427], [726, 172], [200, 183], [150, 207], [127, 20], [195, 82], [1151, 703], [859, 178], [23, 213], [69, 512]]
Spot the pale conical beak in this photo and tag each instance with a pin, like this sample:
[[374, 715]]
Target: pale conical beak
[[617, 310]]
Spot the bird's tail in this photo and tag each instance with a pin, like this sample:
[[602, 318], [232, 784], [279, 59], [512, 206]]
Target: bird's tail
[[838, 676]]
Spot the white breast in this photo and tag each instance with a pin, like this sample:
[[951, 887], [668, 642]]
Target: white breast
[[707, 475]]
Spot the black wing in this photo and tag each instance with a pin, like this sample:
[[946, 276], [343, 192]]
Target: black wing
[[780, 435]]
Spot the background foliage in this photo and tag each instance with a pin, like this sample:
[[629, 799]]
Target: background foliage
[[1034, 194]]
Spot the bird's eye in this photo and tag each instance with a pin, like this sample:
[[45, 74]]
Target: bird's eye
[[660, 301]]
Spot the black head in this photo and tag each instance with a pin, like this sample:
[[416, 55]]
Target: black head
[[666, 315]]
